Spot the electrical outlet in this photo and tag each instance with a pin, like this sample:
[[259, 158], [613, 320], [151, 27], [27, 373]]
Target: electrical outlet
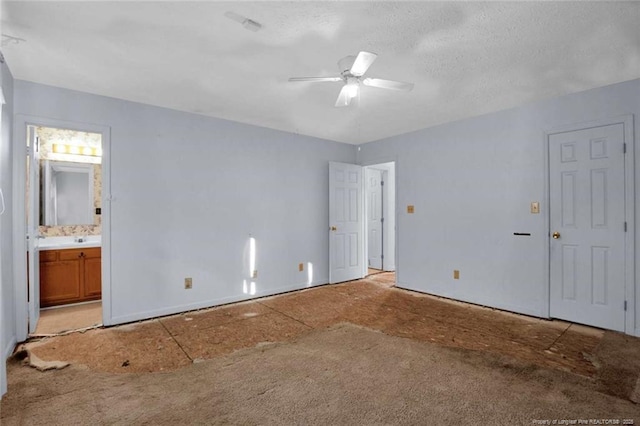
[[255, 274], [188, 283], [300, 267], [456, 274]]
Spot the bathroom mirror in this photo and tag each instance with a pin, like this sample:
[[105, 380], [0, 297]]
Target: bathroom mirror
[[67, 193]]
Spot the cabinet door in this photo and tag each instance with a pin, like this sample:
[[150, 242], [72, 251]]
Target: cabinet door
[[92, 277], [59, 282]]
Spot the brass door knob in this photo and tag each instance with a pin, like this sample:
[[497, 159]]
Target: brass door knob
[[333, 228], [555, 235]]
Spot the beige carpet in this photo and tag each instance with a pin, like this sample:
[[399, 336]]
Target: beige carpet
[[342, 375], [66, 318]]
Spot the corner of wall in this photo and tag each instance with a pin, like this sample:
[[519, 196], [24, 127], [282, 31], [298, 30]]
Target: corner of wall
[[7, 320]]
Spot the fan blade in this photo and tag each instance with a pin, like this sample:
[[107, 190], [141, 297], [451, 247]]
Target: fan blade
[[362, 63], [315, 79], [387, 84], [235, 17], [343, 98]]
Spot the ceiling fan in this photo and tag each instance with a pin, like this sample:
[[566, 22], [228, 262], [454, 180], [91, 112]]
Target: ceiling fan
[[352, 70]]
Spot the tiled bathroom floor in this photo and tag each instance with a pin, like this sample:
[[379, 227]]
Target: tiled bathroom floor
[[66, 318]]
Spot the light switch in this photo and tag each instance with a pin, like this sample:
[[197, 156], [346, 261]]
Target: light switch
[[535, 207], [410, 209]]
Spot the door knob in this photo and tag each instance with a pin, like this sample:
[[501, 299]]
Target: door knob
[[555, 235], [333, 228]]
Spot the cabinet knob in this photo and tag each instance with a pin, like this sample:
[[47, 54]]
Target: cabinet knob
[[81, 254]]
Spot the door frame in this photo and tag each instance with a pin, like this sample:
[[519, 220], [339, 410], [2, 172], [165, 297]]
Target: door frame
[[629, 211], [21, 121], [372, 163]]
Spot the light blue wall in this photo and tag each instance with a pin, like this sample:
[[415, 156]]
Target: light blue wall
[[472, 182], [7, 313], [189, 191]]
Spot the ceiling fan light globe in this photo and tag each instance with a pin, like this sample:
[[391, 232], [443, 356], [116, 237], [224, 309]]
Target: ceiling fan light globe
[[352, 90]]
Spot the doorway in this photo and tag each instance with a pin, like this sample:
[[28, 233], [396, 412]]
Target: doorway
[[61, 181], [590, 236], [350, 220], [64, 182], [379, 207]]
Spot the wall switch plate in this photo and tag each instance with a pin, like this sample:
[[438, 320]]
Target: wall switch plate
[[300, 267], [255, 274], [535, 207], [188, 283], [456, 274], [410, 209]]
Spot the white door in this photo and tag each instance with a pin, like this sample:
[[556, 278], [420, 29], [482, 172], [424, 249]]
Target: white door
[[587, 223], [346, 257], [33, 231], [374, 217]]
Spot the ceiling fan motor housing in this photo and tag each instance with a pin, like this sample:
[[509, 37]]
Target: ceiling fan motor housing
[[345, 65]]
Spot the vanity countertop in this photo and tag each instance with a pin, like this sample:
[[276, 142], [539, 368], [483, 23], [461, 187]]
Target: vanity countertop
[[58, 243]]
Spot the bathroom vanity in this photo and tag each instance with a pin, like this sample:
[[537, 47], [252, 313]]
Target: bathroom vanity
[[70, 272]]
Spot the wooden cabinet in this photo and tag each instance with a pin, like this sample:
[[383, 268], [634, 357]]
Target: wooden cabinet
[[70, 276]]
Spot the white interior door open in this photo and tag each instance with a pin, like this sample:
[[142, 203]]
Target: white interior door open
[[33, 230], [374, 203], [346, 223], [587, 224]]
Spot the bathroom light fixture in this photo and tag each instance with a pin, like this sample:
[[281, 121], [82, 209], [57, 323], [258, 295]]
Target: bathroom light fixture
[[87, 151]]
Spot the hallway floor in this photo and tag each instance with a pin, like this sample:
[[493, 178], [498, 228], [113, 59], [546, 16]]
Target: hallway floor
[[169, 343]]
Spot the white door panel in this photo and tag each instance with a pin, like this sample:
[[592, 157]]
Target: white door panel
[[346, 257], [587, 211]]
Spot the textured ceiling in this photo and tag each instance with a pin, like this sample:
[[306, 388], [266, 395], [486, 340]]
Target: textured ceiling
[[465, 58]]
